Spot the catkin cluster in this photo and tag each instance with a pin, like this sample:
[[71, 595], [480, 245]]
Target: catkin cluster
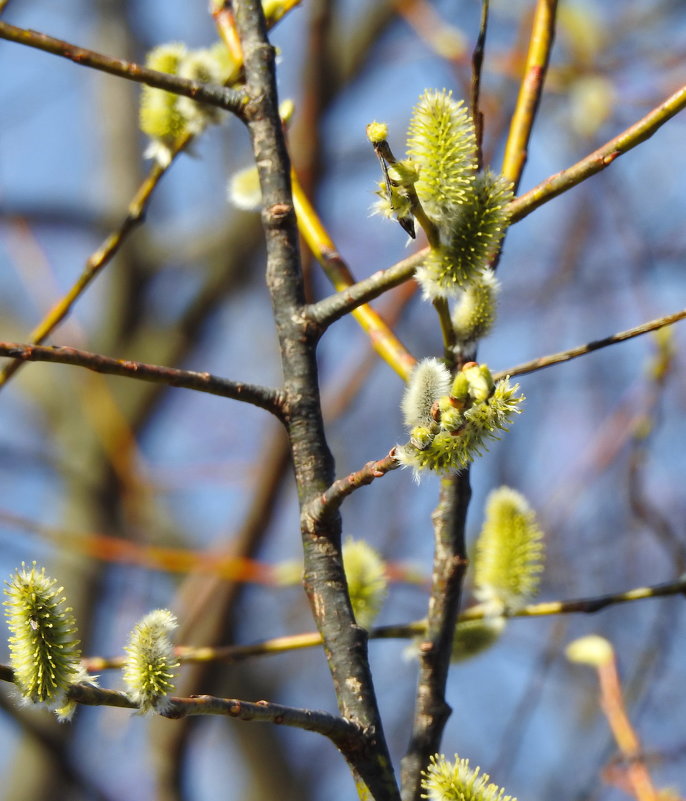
[[463, 210], [166, 117], [451, 422]]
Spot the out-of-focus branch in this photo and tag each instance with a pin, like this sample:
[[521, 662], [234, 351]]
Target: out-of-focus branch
[[318, 240], [417, 628], [266, 398], [221, 96], [530, 91], [601, 158], [597, 344], [96, 262]]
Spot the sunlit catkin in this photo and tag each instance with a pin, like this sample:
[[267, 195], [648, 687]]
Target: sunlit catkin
[[442, 143], [456, 781], [44, 651], [150, 662], [509, 551]]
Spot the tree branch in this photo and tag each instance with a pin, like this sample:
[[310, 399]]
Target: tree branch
[[223, 97], [417, 628], [450, 562], [345, 643], [341, 731], [581, 350], [530, 91], [266, 398], [331, 500], [601, 158], [97, 261], [326, 311]]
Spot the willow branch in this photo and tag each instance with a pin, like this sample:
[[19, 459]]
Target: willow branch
[[477, 63], [232, 100], [530, 91], [384, 341], [345, 643], [264, 397], [450, 562], [597, 344], [417, 628], [336, 728], [96, 262], [326, 311], [601, 158], [331, 500]]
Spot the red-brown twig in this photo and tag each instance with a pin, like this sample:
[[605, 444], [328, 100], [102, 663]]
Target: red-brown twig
[[223, 97], [264, 397]]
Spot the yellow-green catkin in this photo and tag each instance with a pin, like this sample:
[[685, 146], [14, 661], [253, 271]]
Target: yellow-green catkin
[[442, 143], [456, 781], [473, 637], [469, 239], [160, 118], [244, 189], [591, 650], [475, 312], [509, 552], [365, 573], [150, 666], [44, 651]]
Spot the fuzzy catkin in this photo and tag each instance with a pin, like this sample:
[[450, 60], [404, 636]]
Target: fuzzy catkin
[[44, 651], [442, 143], [429, 381]]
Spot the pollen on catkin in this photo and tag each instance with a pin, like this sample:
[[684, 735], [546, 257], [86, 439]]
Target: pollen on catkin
[[44, 651], [365, 573], [509, 551], [150, 663], [456, 781], [442, 143]]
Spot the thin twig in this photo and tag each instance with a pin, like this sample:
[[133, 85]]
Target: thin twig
[[326, 311], [336, 728], [597, 344], [223, 97], [530, 91], [477, 63], [331, 500], [265, 397], [417, 628], [96, 262], [601, 158]]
